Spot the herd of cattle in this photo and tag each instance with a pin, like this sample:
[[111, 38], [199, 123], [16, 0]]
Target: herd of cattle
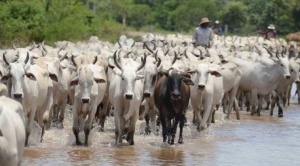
[[156, 79]]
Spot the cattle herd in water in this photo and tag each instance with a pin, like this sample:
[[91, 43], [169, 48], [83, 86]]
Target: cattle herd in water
[[156, 79]]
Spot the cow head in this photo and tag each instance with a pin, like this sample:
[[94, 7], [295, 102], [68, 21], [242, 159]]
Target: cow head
[[204, 72], [17, 72], [85, 82], [129, 74], [282, 62], [150, 75], [174, 83]]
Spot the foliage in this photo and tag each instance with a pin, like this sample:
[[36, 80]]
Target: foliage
[[51, 20]]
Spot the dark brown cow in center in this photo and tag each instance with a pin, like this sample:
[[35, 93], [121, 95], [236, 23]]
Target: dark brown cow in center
[[171, 95]]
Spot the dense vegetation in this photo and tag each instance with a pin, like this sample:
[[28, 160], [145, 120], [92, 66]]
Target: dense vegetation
[[51, 20]]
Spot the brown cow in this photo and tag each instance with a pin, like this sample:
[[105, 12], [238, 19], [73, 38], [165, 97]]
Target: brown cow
[[171, 96]]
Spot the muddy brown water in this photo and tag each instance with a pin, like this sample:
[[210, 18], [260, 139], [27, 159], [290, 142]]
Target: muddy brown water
[[257, 141]]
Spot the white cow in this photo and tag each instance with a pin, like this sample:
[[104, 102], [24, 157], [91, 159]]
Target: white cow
[[151, 77], [90, 87], [12, 132], [31, 83], [206, 92], [125, 95], [262, 77]]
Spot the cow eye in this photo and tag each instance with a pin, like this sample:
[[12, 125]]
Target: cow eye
[[292, 70], [153, 79], [281, 64]]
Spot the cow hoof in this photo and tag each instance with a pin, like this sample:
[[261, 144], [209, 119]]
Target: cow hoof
[[131, 143], [78, 143], [147, 130], [60, 125], [180, 141], [101, 129], [201, 128], [42, 140], [280, 115]]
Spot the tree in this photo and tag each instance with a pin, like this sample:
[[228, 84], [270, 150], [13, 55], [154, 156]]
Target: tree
[[235, 16]]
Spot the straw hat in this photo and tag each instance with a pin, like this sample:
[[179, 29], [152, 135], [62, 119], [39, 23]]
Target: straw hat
[[271, 26], [204, 20]]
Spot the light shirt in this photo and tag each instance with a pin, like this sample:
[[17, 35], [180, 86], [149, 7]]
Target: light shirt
[[203, 36]]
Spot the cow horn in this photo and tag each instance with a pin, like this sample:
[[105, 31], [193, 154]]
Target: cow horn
[[153, 45], [4, 58], [44, 53], [119, 44], [43, 47], [96, 58], [155, 55], [133, 44], [63, 57], [277, 54], [175, 58], [270, 53], [184, 53], [158, 62], [27, 58], [165, 53], [143, 63], [172, 44], [73, 61], [128, 53], [148, 47], [116, 61]]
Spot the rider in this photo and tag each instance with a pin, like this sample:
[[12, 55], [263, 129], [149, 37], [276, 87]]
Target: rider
[[217, 29], [270, 32], [203, 35]]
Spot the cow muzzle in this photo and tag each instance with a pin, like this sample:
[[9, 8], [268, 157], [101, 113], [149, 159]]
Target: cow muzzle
[[297, 82], [128, 96], [85, 100], [147, 95], [18, 95], [201, 87], [175, 96]]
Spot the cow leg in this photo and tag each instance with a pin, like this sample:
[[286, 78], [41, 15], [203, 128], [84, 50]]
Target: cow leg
[[120, 124], [147, 128], [280, 111], [88, 126], [273, 104], [29, 125], [289, 95], [253, 102], [237, 109], [207, 112], [164, 128], [157, 124], [181, 125], [61, 112], [55, 114], [260, 102], [75, 127], [298, 92], [268, 100], [212, 113], [196, 110], [248, 101]]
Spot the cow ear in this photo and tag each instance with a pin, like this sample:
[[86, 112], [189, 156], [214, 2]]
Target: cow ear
[[5, 77], [138, 77], [53, 77], [188, 81], [215, 73], [30, 76], [99, 80], [186, 75], [74, 81]]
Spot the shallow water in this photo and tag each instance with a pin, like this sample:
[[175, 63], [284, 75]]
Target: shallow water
[[253, 141]]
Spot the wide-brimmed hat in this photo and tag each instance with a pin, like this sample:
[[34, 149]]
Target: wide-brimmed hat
[[271, 26], [204, 20]]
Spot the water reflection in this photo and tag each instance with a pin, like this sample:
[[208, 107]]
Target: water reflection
[[254, 140], [172, 156]]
